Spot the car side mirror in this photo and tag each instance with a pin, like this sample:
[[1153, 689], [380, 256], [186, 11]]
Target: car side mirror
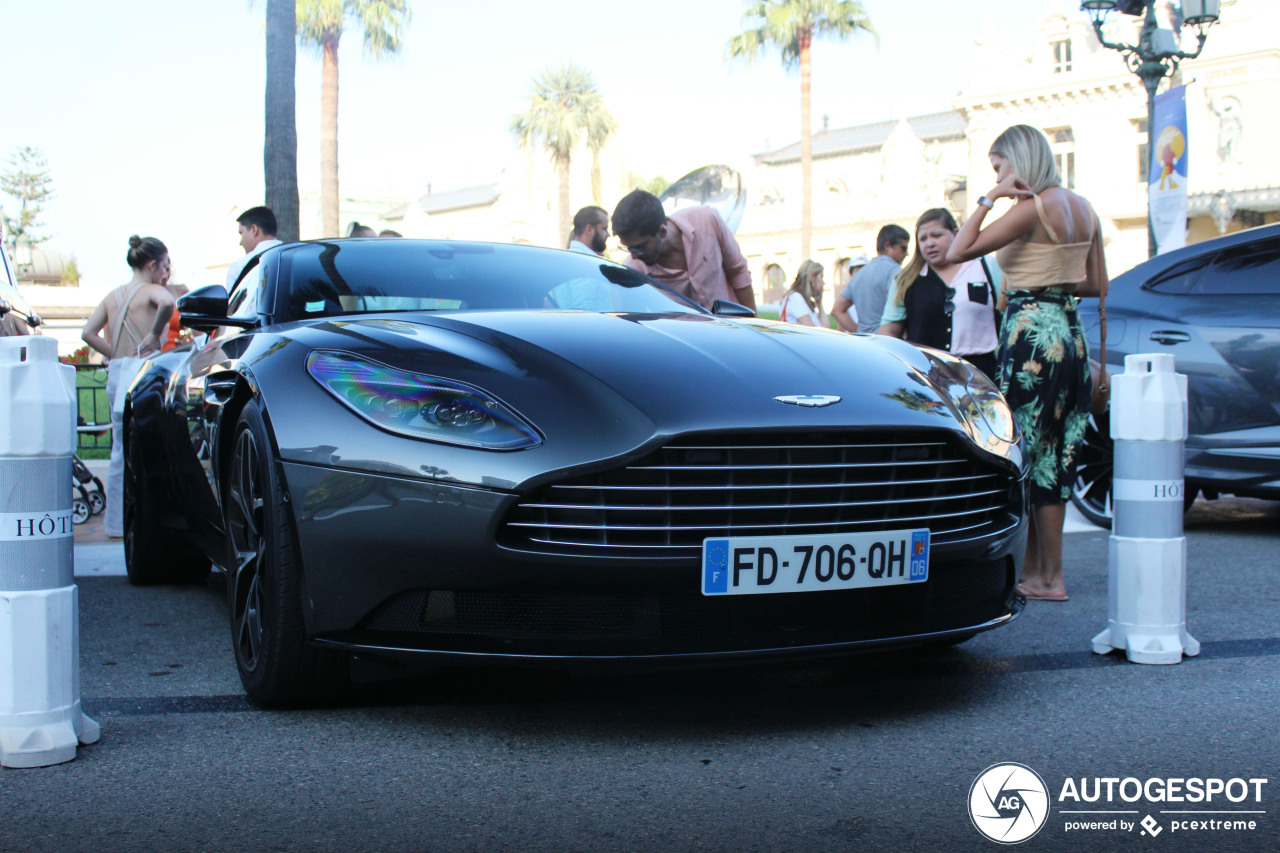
[[205, 309], [725, 308]]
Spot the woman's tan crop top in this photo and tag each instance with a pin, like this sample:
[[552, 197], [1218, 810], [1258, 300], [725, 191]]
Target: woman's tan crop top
[[1034, 266]]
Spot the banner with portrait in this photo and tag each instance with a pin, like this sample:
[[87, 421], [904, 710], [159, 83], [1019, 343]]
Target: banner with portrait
[[1167, 187]]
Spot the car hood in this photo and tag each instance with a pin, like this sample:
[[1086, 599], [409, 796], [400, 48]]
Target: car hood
[[683, 371]]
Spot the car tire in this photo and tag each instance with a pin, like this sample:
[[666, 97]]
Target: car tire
[[277, 666], [1095, 465], [153, 554]]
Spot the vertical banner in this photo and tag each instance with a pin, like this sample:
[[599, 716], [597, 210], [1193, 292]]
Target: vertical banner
[[1167, 188]]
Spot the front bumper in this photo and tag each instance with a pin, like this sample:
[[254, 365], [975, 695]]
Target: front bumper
[[401, 567]]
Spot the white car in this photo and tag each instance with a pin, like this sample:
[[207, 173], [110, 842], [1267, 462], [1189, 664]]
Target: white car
[[16, 315]]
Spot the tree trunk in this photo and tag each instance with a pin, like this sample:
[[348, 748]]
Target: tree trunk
[[329, 138], [280, 150], [597, 179], [566, 218], [806, 149]]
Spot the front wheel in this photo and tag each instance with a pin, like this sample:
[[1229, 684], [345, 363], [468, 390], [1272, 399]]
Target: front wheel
[[277, 666]]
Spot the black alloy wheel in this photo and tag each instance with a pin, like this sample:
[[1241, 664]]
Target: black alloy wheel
[[1091, 489], [264, 581], [153, 554]]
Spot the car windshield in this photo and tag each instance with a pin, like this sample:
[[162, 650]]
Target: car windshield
[[326, 279]]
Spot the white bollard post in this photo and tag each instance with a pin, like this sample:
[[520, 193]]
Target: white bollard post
[[40, 718], [1147, 562]]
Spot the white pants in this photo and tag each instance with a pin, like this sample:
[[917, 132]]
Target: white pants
[[120, 375]]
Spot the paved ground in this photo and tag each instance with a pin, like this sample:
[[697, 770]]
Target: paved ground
[[874, 753]]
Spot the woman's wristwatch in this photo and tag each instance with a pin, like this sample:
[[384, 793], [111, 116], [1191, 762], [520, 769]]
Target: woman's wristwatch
[[986, 202]]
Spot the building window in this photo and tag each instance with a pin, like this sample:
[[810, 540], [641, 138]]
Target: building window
[[1062, 56], [1063, 144], [769, 197], [775, 283], [1144, 156]]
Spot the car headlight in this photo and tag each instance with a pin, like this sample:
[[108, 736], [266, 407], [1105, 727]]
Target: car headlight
[[975, 400], [420, 406], [991, 407]]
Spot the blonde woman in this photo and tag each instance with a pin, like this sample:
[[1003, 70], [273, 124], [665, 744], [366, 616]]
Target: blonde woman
[[803, 303], [1050, 246], [942, 304]]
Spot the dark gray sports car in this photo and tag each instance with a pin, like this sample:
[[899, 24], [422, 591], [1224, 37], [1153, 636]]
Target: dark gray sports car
[[407, 452], [1214, 306]]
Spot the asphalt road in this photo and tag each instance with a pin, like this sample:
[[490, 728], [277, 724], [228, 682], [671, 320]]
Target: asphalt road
[[870, 753]]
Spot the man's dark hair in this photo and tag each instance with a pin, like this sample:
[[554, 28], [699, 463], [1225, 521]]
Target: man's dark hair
[[889, 235], [588, 216], [260, 216], [639, 212]]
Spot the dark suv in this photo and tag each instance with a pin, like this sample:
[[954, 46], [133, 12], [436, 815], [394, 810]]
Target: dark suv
[[1214, 306]]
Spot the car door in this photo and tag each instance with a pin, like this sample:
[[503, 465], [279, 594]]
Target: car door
[[1219, 316], [209, 381]]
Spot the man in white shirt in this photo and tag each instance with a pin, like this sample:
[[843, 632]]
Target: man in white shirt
[[590, 231], [257, 234]]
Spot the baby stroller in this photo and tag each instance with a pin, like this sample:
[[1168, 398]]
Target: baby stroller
[[88, 499]]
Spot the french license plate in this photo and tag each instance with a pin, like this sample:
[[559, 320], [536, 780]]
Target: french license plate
[[748, 565]]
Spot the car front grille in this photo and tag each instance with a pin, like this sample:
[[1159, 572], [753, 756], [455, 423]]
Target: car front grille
[[957, 595], [778, 484]]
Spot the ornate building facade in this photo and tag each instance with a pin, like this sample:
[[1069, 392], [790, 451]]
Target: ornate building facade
[[1092, 108]]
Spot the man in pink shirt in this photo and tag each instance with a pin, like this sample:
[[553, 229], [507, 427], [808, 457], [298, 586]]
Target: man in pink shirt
[[691, 251]]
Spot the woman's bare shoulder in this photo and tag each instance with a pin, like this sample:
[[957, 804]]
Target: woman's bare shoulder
[[1070, 213]]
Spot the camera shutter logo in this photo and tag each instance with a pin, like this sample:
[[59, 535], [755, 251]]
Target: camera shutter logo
[[1008, 803]]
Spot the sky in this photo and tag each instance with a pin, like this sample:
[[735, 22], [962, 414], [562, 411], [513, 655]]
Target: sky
[[150, 112]]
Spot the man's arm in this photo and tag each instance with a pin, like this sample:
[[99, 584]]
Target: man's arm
[[840, 310], [736, 271]]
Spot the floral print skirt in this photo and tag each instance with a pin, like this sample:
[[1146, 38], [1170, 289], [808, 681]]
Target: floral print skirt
[[1044, 376]]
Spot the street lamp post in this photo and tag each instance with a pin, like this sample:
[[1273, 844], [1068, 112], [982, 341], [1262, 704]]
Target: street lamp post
[[1155, 56]]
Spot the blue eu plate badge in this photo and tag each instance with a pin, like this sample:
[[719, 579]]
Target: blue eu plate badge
[[715, 566], [920, 555]]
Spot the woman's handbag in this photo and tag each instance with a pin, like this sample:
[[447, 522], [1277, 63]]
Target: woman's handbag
[[1100, 399], [996, 313]]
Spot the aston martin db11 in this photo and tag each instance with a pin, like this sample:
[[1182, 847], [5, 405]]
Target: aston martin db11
[[406, 452]]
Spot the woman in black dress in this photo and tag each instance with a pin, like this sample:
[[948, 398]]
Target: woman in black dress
[[944, 305]]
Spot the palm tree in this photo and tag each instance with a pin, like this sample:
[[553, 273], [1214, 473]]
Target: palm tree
[[280, 150], [790, 26], [565, 108], [320, 25]]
